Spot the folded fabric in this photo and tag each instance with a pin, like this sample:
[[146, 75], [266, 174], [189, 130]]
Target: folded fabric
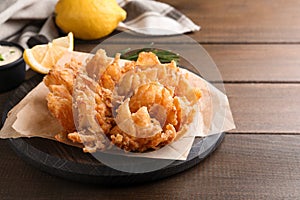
[[18, 19], [154, 18], [16, 14]]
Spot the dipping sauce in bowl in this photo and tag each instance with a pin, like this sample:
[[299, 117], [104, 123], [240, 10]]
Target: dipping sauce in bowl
[[9, 54], [12, 65]]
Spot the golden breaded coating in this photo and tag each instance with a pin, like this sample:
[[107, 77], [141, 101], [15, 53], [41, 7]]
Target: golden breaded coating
[[63, 75], [60, 81], [129, 143], [111, 75], [155, 94], [60, 105], [138, 107]]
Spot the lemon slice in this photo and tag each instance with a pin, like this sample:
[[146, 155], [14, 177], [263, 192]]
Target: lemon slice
[[67, 42], [42, 58]]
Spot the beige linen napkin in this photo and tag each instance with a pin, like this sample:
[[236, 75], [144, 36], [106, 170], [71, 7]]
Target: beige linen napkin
[[15, 15], [154, 18], [22, 19]]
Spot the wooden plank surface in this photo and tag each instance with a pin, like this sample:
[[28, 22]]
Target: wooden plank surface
[[4, 97], [256, 45], [265, 108], [244, 63], [236, 21], [243, 167], [257, 63], [261, 108]]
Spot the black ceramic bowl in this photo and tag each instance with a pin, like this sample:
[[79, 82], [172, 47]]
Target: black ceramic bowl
[[12, 74]]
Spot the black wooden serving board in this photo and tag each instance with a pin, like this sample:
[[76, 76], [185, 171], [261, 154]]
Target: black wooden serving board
[[71, 163]]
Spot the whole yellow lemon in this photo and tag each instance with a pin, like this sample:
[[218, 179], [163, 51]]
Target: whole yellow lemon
[[88, 19]]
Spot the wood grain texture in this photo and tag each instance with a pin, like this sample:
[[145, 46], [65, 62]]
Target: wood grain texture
[[243, 167], [257, 63], [265, 108], [236, 21], [242, 63], [256, 46], [73, 164], [4, 97]]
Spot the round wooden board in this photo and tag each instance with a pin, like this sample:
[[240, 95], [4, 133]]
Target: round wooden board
[[71, 163]]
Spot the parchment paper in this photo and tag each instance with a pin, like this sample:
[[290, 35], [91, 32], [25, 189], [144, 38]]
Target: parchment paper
[[31, 118]]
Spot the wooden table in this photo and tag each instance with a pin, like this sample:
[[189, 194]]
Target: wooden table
[[255, 44]]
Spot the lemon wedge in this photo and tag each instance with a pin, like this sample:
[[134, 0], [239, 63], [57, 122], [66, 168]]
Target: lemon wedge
[[41, 58]]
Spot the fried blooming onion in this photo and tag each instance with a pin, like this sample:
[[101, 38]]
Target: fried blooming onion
[[142, 106]]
